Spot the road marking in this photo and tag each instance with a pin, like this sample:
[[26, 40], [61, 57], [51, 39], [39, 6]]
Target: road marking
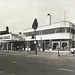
[[66, 70], [14, 62], [1, 72], [11, 74]]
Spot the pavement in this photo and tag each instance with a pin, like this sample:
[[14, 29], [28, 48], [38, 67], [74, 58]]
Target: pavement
[[44, 63], [40, 53]]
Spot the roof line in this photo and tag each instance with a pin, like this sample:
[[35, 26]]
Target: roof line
[[48, 25]]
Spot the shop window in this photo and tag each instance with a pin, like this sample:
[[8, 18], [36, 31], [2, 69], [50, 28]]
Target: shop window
[[64, 45], [55, 46], [68, 30]]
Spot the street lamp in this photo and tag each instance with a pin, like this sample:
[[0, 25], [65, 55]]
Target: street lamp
[[34, 26]]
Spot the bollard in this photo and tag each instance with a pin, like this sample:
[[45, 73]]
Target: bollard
[[73, 52]]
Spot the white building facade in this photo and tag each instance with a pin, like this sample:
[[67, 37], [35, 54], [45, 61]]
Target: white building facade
[[11, 41], [60, 35]]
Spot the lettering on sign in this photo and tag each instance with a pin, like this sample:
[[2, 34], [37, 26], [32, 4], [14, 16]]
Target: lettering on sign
[[4, 37]]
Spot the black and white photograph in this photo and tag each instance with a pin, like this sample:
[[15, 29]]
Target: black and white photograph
[[37, 37]]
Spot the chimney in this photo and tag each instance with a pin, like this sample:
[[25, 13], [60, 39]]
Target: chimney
[[49, 19], [7, 29]]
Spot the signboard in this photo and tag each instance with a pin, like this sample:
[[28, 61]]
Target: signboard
[[14, 37], [5, 37]]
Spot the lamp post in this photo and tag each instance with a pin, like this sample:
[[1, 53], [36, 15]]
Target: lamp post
[[34, 26]]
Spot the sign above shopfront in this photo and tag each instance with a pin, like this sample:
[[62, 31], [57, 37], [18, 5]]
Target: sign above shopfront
[[12, 37], [5, 37]]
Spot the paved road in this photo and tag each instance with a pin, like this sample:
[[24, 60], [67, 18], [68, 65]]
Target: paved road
[[16, 63]]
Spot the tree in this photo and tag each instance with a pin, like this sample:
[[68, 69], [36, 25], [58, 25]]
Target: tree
[[35, 24]]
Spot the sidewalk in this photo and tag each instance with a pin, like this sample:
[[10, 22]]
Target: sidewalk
[[42, 54]]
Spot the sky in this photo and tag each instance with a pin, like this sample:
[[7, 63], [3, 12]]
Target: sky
[[20, 14]]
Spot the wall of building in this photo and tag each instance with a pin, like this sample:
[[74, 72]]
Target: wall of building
[[12, 42], [61, 34]]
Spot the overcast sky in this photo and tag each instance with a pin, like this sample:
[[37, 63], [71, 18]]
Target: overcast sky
[[19, 14]]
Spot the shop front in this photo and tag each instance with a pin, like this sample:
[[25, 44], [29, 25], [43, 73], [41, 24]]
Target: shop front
[[11, 42]]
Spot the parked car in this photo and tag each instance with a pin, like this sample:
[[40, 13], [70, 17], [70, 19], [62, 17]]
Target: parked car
[[72, 50]]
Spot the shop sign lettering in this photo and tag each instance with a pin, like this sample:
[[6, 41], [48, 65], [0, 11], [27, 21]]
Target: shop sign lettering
[[4, 37]]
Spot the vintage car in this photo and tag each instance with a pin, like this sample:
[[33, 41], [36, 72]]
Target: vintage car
[[72, 50]]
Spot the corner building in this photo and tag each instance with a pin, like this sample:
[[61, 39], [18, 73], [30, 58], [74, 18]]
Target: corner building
[[60, 35]]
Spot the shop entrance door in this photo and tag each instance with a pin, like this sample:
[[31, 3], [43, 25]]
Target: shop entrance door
[[55, 45]]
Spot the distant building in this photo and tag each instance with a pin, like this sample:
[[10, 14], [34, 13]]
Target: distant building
[[51, 37], [9, 41], [5, 31]]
